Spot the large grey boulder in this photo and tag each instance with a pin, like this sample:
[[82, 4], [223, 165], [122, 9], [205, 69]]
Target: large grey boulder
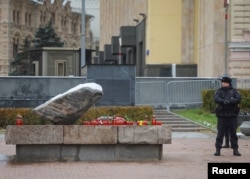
[[68, 107]]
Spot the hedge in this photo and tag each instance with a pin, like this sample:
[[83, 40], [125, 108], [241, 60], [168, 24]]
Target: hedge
[[209, 104], [134, 113]]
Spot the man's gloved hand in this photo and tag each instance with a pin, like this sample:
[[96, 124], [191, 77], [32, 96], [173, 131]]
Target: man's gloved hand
[[226, 102]]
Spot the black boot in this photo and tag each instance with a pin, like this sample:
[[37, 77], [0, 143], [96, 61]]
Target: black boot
[[226, 145], [217, 152], [236, 152]]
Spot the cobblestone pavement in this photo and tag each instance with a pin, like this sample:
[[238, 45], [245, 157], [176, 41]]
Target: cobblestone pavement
[[185, 158]]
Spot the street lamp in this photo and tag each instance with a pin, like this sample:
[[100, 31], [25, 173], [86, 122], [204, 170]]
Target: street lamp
[[226, 4], [83, 59]]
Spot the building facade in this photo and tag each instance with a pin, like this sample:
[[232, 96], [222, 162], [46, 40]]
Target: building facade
[[20, 19], [184, 32], [181, 32]]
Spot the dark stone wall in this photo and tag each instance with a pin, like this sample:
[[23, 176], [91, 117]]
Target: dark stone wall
[[117, 81], [33, 91]]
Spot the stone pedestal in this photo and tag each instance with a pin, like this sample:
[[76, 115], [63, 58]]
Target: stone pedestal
[[245, 128], [87, 143]]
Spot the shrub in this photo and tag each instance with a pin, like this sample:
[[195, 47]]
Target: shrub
[[210, 105], [8, 115]]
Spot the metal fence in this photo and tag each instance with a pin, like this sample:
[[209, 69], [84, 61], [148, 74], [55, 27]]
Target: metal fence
[[151, 93], [181, 93], [243, 84], [159, 92], [166, 94]]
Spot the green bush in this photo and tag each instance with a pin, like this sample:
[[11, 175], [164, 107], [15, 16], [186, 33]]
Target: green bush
[[210, 105], [208, 100], [8, 115]]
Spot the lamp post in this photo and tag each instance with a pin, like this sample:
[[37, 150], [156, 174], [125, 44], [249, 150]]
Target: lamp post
[[226, 4], [83, 61]]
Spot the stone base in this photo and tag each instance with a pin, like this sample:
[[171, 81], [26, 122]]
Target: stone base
[[245, 128], [87, 143], [112, 152]]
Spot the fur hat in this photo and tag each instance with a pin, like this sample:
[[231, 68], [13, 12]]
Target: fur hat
[[226, 80]]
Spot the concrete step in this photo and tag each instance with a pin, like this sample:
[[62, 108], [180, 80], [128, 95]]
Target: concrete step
[[167, 117], [184, 125], [184, 129], [178, 123], [171, 119]]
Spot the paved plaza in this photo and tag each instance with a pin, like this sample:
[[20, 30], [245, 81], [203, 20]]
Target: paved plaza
[[185, 158]]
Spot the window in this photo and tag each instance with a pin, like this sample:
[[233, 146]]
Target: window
[[29, 19], [63, 21], [26, 18], [14, 16], [42, 16], [15, 47], [35, 68], [60, 68], [17, 17], [73, 28], [53, 18]]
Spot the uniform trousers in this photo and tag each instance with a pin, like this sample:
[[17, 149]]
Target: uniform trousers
[[224, 124]]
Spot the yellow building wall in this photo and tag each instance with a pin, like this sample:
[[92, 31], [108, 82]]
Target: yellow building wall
[[163, 43], [196, 32]]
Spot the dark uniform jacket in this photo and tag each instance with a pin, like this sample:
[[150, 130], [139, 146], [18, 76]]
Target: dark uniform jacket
[[227, 99]]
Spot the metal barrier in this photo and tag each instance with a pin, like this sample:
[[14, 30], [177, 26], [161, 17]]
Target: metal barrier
[[158, 92], [150, 93], [188, 92], [166, 93], [243, 84]]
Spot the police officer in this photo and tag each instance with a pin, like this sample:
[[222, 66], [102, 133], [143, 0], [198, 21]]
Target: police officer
[[227, 99]]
